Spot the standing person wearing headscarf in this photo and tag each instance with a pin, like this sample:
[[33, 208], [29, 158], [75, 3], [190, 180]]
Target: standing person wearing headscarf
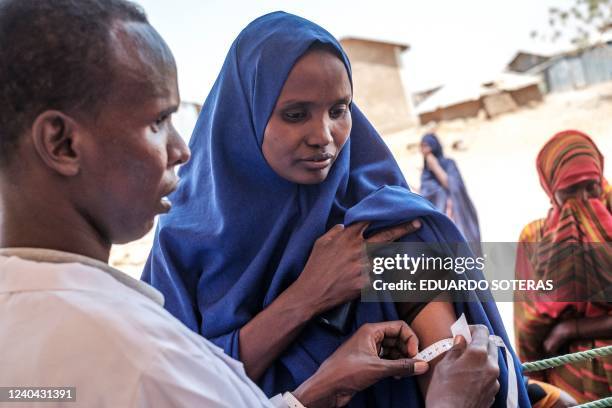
[[572, 247], [442, 184], [271, 152]]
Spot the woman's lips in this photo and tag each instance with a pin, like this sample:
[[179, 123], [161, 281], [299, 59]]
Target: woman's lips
[[317, 165], [318, 161]]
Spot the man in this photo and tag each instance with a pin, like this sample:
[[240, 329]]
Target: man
[[87, 157]]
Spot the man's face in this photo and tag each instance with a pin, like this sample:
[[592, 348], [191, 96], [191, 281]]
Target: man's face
[[129, 159]]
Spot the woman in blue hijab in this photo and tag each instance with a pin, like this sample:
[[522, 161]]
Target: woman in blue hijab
[[251, 205], [442, 184]]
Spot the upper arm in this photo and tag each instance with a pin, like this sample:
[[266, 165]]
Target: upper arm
[[431, 325]]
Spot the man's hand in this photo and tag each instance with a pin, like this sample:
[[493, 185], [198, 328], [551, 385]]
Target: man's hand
[[357, 364], [467, 375]]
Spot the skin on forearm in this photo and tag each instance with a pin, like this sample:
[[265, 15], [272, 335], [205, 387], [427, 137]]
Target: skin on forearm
[[599, 327], [269, 333], [315, 392], [434, 165], [430, 325]]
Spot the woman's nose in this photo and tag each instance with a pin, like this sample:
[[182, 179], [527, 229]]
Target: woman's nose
[[320, 135], [583, 194]]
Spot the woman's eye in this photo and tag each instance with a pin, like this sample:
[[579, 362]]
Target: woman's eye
[[294, 116], [593, 188], [338, 112]]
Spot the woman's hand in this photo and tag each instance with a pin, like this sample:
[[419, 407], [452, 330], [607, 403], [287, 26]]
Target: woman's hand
[[356, 365], [561, 334], [434, 166], [565, 401], [333, 275], [336, 269], [431, 160]]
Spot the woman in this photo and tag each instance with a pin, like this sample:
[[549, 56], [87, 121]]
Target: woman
[[272, 154], [441, 183], [571, 246]]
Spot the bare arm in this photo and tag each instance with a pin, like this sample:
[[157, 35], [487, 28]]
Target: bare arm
[[599, 327], [332, 275], [430, 325], [271, 331], [434, 165]]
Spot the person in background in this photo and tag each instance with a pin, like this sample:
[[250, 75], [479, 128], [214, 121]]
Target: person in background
[[571, 246], [442, 185], [282, 156]]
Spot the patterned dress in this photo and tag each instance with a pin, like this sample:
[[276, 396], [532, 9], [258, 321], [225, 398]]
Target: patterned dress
[[572, 246]]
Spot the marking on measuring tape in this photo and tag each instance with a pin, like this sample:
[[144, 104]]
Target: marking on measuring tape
[[442, 346], [433, 351]]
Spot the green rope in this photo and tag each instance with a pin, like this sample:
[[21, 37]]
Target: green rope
[[568, 358], [602, 403]]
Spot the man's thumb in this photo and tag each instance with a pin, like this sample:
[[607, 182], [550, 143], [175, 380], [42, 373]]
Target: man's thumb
[[405, 367]]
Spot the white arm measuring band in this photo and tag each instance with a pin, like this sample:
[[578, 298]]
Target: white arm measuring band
[[460, 327]]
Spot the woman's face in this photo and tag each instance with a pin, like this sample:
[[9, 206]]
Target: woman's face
[[583, 191], [425, 149], [311, 120]]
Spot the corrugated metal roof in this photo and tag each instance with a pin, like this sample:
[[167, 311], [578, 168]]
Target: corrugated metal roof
[[460, 92]]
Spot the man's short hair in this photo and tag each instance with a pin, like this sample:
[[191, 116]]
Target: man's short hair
[[54, 54]]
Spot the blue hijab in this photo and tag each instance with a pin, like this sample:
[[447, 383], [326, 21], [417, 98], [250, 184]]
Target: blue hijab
[[429, 183], [464, 213], [238, 234]]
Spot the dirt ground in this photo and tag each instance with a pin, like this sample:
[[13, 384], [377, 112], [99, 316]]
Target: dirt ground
[[497, 161]]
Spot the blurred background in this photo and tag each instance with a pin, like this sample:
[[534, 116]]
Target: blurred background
[[493, 79]]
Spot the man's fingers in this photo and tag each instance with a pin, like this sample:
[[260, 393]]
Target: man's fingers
[[389, 342], [405, 339], [395, 334], [403, 367], [394, 233], [493, 353], [480, 336], [409, 342], [459, 346], [393, 354]]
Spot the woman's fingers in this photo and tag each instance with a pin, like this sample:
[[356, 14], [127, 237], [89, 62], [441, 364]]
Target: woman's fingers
[[394, 233]]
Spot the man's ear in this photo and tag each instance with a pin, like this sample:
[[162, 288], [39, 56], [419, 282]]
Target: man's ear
[[55, 138]]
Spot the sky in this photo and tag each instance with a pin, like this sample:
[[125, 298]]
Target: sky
[[450, 40]]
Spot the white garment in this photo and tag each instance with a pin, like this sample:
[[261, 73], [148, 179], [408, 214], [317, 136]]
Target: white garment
[[75, 322]]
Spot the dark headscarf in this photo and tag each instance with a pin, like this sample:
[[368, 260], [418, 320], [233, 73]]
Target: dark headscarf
[[464, 212]]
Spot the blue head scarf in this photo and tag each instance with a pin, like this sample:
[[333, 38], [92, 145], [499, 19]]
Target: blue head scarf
[[428, 179], [464, 212], [238, 234]]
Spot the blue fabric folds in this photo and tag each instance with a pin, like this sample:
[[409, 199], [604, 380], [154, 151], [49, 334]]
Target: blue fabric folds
[[238, 234], [463, 213]]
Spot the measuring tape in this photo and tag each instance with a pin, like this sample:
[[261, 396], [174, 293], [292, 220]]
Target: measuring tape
[[461, 328], [435, 350], [442, 346]]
